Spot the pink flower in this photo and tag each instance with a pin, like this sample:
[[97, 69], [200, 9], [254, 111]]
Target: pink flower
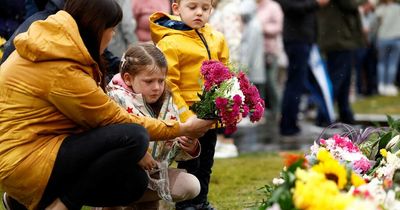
[[221, 102], [363, 165], [214, 73]]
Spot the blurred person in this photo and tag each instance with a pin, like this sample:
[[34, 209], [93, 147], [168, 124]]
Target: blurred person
[[64, 142], [51, 7], [388, 45], [12, 13], [124, 33], [228, 11], [141, 11], [187, 40], [252, 43], [340, 34], [299, 33], [270, 14], [366, 57]]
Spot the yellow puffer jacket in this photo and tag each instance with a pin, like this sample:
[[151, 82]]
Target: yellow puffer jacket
[[185, 51], [47, 92]]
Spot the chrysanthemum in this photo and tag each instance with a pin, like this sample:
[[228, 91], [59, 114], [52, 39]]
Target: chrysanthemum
[[314, 192], [356, 180]]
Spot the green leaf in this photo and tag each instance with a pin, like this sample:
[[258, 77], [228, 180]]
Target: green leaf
[[385, 140]]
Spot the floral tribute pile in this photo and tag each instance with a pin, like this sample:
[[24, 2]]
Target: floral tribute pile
[[227, 95], [358, 169]]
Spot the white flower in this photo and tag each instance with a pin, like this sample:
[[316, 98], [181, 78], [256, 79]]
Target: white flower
[[234, 88], [277, 181], [274, 207], [392, 142]]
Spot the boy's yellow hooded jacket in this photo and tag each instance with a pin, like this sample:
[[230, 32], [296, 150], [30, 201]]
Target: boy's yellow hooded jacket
[[185, 52], [47, 92]]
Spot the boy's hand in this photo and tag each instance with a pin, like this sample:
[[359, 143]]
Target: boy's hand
[[147, 162], [188, 145]]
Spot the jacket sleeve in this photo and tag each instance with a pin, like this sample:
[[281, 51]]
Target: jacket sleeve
[[77, 96], [223, 53], [174, 78], [350, 4], [296, 7]]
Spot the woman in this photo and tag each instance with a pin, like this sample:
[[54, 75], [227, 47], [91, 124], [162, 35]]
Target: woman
[[64, 142]]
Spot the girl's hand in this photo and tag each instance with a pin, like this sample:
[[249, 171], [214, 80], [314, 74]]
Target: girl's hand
[[188, 145], [147, 162], [195, 127]]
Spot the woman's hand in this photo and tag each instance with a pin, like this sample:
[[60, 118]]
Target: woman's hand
[[147, 162], [195, 127], [188, 145]]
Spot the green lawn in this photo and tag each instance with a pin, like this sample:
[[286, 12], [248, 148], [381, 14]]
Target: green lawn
[[235, 182], [377, 105]]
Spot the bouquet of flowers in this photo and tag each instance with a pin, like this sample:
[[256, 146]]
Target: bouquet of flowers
[[227, 95], [360, 171]]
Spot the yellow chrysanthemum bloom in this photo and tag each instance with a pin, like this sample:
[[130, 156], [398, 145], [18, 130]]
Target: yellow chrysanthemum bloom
[[383, 152], [314, 192], [324, 155], [333, 171], [356, 180]]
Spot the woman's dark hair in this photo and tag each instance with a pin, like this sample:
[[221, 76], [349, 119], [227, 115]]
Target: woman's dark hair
[[145, 57], [93, 17]]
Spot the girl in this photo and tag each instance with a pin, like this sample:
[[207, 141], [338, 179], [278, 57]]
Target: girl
[[140, 89]]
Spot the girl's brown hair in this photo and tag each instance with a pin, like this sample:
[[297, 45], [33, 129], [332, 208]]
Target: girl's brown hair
[[142, 56], [145, 57], [93, 17]]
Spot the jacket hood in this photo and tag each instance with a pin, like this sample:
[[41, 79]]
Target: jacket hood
[[56, 38], [162, 24]]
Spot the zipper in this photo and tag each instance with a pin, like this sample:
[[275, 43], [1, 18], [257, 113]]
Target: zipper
[[205, 43]]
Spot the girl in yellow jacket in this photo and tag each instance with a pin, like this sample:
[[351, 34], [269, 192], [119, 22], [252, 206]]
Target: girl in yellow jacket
[[64, 142], [187, 40]]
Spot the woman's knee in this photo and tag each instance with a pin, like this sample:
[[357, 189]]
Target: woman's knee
[[183, 186], [135, 135]]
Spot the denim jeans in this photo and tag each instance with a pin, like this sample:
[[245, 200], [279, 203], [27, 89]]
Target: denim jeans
[[388, 59]]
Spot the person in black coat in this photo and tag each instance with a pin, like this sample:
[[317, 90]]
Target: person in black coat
[[299, 33]]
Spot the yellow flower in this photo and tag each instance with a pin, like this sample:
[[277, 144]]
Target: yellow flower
[[356, 180], [314, 192], [324, 155], [333, 171], [383, 152]]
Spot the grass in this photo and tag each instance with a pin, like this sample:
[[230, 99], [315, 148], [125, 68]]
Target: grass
[[235, 182], [377, 105]]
